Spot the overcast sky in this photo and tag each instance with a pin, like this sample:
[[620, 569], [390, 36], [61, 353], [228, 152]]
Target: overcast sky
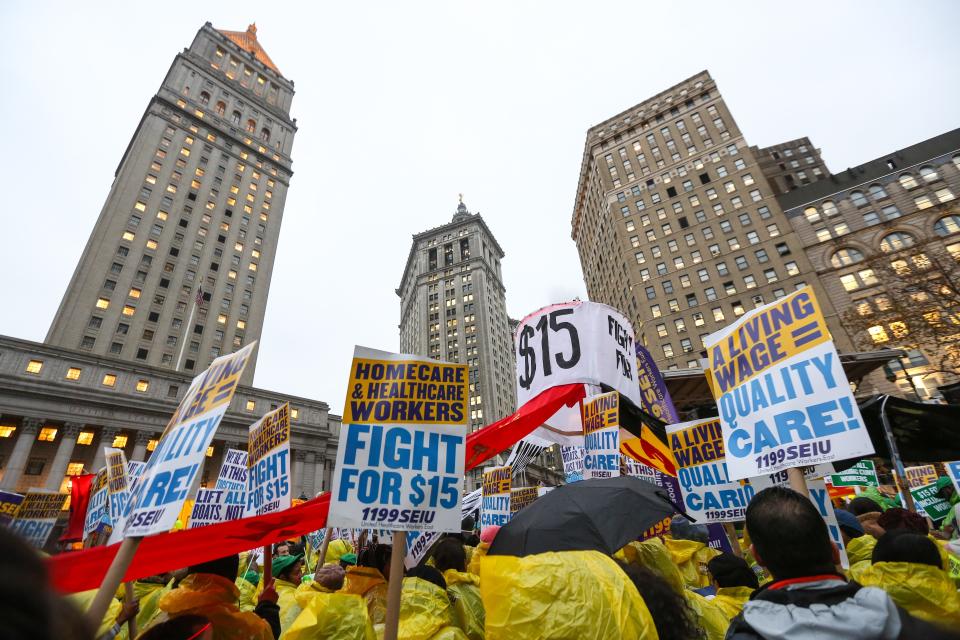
[[403, 105]]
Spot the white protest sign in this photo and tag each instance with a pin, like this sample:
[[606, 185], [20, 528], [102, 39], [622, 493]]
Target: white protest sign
[[573, 342], [268, 461], [117, 484], [655, 476], [542, 491], [495, 507], [233, 471], [709, 494], [783, 397], [37, 515], [601, 436], [953, 471], [157, 498], [98, 510], [214, 505], [402, 446], [134, 471], [572, 463]]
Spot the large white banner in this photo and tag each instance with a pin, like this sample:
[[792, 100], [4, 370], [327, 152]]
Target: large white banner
[[709, 494], [268, 461], [402, 447], [783, 398], [573, 342], [157, 498], [601, 436]]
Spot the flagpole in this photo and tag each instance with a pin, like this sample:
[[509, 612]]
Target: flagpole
[[186, 331]]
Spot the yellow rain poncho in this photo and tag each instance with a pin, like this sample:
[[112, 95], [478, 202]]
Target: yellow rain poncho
[[84, 599], [249, 593], [730, 600], [473, 565], [574, 594], [214, 598], [692, 558], [653, 555], [371, 585], [336, 616], [425, 613], [287, 601], [335, 549], [860, 549], [149, 595], [924, 591], [464, 590]]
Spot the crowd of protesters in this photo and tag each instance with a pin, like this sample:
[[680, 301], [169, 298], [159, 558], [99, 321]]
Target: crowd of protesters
[[785, 581]]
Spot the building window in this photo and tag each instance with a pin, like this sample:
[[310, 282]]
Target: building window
[[877, 192], [73, 373], [294, 413], [907, 181], [143, 385], [152, 444], [251, 405], [845, 257], [947, 225], [923, 202], [119, 442], [896, 241], [103, 303], [34, 366], [47, 434], [944, 195], [85, 438], [109, 379]]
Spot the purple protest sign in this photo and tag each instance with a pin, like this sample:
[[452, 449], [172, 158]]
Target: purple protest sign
[[654, 397]]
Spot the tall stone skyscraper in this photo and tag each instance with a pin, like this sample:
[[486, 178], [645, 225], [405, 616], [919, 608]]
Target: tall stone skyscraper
[[194, 213], [453, 308], [677, 225]]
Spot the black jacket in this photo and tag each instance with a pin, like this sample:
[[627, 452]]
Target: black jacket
[[828, 608], [270, 612]]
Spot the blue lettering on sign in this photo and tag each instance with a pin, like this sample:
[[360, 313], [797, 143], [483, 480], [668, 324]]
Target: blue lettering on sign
[[168, 487], [813, 422], [397, 447]]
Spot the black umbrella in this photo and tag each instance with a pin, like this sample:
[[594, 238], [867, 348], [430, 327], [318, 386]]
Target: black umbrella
[[602, 515]]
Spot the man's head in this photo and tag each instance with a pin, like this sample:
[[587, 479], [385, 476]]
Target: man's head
[[945, 490], [906, 545], [289, 568], [898, 518], [449, 554], [429, 574], [850, 527], [226, 567], [789, 536], [727, 570], [281, 549], [683, 529], [330, 576], [862, 505]]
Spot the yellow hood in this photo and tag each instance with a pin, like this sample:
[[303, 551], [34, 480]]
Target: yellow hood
[[924, 591]]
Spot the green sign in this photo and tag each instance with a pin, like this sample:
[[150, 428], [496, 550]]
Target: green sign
[[927, 501], [862, 474]]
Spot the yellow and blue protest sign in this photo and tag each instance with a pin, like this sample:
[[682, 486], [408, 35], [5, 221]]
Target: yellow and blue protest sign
[[495, 504], [402, 447], [709, 494], [268, 464], [522, 497], [233, 471], [37, 515], [9, 503], [601, 436], [783, 398], [98, 508], [117, 484], [157, 498], [920, 475]]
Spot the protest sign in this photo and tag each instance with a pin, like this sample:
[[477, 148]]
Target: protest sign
[[709, 495], [37, 515], [98, 510], [783, 397], [420, 542], [119, 491], [572, 463], [927, 501], [953, 471], [233, 471], [654, 396], [542, 491], [134, 471], [573, 342], [660, 529], [921, 475], [522, 497], [718, 539], [862, 474], [217, 505], [495, 507], [9, 502], [821, 500], [173, 466], [400, 460], [268, 462], [781, 479], [657, 477], [601, 436]]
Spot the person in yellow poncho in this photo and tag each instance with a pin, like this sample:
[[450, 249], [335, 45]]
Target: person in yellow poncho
[[653, 555], [332, 616], [907, 565], [486, 539], [335, 550], [449, 557], [425, 609], [573, 594], [370, 582], [687, 544], [287, 571], [734, 580], [209, 591]]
